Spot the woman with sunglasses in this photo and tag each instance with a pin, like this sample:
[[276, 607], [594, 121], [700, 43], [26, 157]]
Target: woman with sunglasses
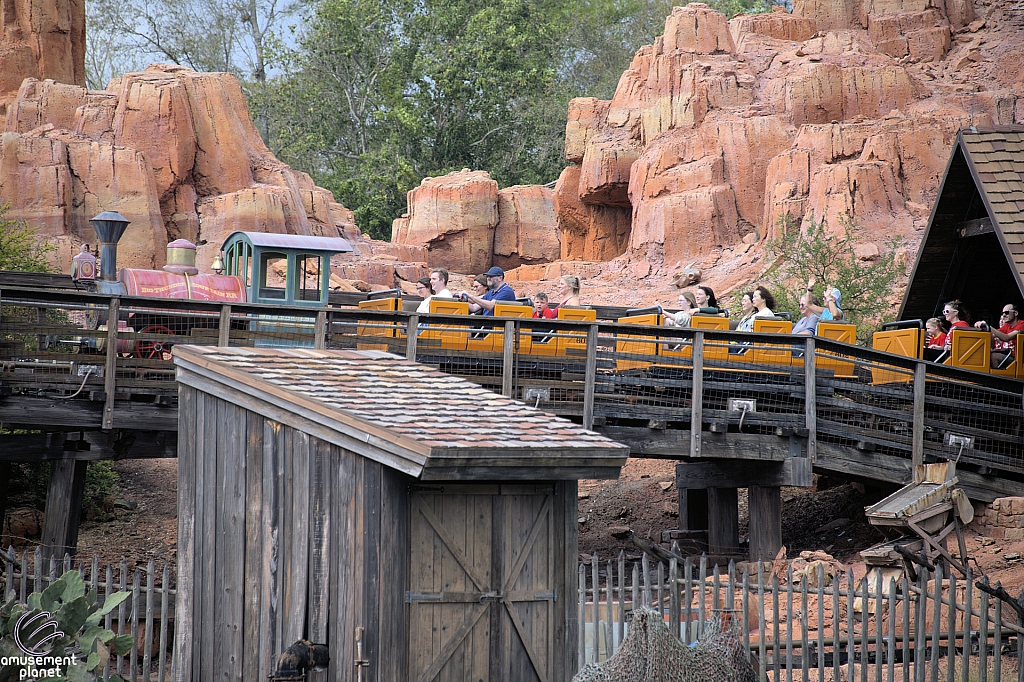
[[956, 316]]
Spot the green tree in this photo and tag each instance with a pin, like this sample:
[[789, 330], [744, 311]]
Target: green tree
[[827, 255], [20, 249]]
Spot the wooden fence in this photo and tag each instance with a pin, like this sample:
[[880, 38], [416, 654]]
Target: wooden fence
[[148, 614], [813, 625]]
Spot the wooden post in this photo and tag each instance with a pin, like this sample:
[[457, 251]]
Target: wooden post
[[697, 400], [765, 525], [693, 508], [508, 356], [110, 384], [590, 378], [412, 333], [917, 442], [5, 478], [320, 331], [224, 327], [810, 403], [63, 507], [723, 521]]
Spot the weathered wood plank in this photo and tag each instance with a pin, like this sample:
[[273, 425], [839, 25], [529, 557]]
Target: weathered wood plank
[[31, 412], [34, 447], [206, 558], [566, 535], [917, 446], [590, 378], [371, 546], [765, 504], [296, 561], [795, 471], [674, 443], [63, 507], [229, 548], [319, 546], [110, 378], [254, 548], [181, 661], [273, 481], [391, 664], [723, 521]]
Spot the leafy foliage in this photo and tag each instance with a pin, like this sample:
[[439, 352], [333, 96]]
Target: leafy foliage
[[20, 249], [827, 255], [79, 616]]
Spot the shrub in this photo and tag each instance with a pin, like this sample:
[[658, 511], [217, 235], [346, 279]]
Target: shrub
[[78, 615], [868, 287]]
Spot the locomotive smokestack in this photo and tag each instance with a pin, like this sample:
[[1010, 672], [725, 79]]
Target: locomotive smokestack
[[109, 227]]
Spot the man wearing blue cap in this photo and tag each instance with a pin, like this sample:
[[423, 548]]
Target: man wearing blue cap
[[830, 312], [497, 291]]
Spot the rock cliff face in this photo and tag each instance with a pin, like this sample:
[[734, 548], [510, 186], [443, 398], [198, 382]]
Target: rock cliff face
[[467, 225], [40, 39], [173, 151], [720, 130]]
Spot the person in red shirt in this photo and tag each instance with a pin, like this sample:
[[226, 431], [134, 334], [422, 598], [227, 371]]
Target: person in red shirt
[[1004, 339], [540, 307], [956, 316]]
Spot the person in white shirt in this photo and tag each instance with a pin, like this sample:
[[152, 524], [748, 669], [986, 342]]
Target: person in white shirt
[[423, 289], [439, 283]]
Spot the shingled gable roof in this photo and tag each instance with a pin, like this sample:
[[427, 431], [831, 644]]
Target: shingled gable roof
[[405, 415], [994, 159]]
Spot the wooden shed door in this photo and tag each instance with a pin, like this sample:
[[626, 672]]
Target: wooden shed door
[[482, 583]]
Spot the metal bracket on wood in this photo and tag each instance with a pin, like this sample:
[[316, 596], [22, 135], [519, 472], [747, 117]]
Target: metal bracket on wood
[[109, 384]]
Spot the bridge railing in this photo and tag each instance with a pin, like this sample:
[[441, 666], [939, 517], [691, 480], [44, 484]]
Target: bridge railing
[[827, 395]]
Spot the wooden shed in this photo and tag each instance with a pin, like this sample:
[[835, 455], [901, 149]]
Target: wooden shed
[[973, 249], [324, 491]]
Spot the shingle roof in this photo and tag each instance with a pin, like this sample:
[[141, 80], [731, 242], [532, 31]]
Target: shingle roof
[[437, 422], [996, 159]]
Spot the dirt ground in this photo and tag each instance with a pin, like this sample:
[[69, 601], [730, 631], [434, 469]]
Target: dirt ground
[[142, 524]]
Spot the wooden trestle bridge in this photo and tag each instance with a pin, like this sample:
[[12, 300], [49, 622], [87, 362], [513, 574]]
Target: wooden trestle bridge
[[738, 410]]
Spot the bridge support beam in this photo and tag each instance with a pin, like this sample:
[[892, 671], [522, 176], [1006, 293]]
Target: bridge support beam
[[765, 505], [723, 521], [63, 507], [693, 509]]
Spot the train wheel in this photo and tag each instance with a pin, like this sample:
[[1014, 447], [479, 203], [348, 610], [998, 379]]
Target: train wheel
[[149, 349]]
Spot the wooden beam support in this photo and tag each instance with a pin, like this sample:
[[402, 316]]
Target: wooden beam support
[[675, 444], [63, 508], [765, 525], [740, 474], [34, 413], [917, 433], [320, 330], [412, 334], [810, 399], [693, 508], [110, 378], [508, 357], [224, 327], [98, 445], [697, 394], [590, 378], [723, 521], [973, 228]]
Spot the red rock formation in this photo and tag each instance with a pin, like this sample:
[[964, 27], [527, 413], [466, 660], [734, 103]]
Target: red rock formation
[[172, 150], [454, 218], [837, 109], [527, 232], [40, 39]]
